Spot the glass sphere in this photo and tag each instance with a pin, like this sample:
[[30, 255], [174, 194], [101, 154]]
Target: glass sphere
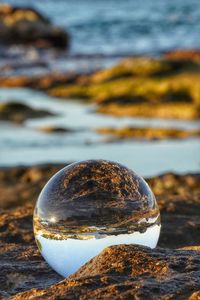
[[90, 205]]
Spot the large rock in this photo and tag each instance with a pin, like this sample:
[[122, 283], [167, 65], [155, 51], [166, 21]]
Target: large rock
[[135, 85], [24, 25], [120, 272], [129, 272]]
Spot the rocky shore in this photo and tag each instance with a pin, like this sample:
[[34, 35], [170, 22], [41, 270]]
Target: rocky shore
[[165, 86], [119, 272], [124, 272], [169, 84]]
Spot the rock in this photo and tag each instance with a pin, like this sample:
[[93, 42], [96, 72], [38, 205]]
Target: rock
[[181, 111], [38, 82], [135, 85], [24, 25], [20, 185], [19, 230], [129, 272], [143, 67], [18, 112], [21, 267], [146, 133], [120, 272], [49, 129], [179, 201], [184, 55], [195, 296]]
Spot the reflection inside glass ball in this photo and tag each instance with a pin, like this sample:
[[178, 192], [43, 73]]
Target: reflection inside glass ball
[[90, 205]]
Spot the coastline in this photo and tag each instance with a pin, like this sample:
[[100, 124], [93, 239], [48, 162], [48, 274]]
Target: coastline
[[86, 81]]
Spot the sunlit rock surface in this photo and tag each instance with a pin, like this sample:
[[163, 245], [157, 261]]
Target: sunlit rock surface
[[23, 268], [129, 272]]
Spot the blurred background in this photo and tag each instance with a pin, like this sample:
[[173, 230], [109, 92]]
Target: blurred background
[[112, 79]]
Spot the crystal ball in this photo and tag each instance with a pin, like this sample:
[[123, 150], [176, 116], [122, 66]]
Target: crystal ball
[[90, 205]]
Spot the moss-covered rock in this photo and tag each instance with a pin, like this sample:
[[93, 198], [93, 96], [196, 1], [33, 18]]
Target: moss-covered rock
[[144, 67], [141, 87]]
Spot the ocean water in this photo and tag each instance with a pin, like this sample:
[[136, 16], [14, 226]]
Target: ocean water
[[114, 27]]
